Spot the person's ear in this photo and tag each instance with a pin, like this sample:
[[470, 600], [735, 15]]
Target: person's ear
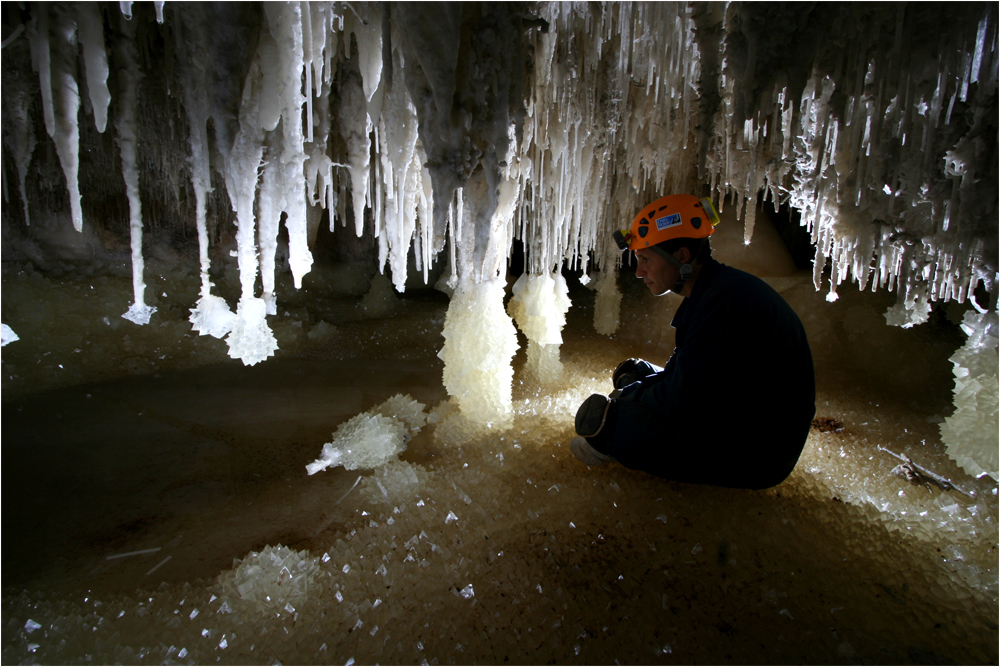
[[684, 255]]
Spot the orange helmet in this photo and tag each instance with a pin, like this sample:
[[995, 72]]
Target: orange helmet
[[667, 218]]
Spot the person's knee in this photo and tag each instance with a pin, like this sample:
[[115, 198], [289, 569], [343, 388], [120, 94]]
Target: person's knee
[[595, 420]]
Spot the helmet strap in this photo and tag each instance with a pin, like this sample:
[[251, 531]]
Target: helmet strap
[[685, 269]]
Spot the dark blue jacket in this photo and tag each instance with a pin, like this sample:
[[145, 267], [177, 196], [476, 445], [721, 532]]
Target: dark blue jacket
[[735, 401]]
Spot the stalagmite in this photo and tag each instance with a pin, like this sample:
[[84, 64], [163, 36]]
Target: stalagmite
[[373, 438], [473, 156], [8, 335], [538, 306], [970, 434], [270, 582], [479, 342], [381, 299], [607, 303]]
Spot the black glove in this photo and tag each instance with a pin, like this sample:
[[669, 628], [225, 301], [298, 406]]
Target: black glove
[[632, 370]]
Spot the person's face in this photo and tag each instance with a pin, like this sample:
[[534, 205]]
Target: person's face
[[654, 270]]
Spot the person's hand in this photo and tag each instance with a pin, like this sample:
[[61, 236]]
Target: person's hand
[[629, 371]]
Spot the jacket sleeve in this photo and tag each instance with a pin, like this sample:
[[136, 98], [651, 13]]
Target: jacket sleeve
[[692, 378], [697, 384]]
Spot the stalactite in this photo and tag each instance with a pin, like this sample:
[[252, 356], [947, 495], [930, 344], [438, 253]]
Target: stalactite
[[55, 61], [128, 143], [91, 31], [251, 339], [555, 128]]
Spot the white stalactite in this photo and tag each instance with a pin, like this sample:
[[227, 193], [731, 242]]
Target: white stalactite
[[251, 339], [19, 139], [211, 315], [856, 154], [53, 55], [286, 28], [402, 159], [125, 124], [877, 142], [355, 127], [91, 30], [270, 201], [360, 109]]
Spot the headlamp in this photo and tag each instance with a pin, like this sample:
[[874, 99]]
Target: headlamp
[[706, 205], [622, 238]]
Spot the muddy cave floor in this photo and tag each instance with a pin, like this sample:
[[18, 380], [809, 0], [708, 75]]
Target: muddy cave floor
[[569, 564]]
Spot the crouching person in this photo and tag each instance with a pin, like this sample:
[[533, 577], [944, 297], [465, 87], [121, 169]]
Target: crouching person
[[734, 403]]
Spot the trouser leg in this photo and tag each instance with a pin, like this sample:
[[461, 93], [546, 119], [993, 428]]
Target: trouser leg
[[713, 453]]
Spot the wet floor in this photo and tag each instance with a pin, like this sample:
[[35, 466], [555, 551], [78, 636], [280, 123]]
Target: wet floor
[[203, 463], [545, 560]]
